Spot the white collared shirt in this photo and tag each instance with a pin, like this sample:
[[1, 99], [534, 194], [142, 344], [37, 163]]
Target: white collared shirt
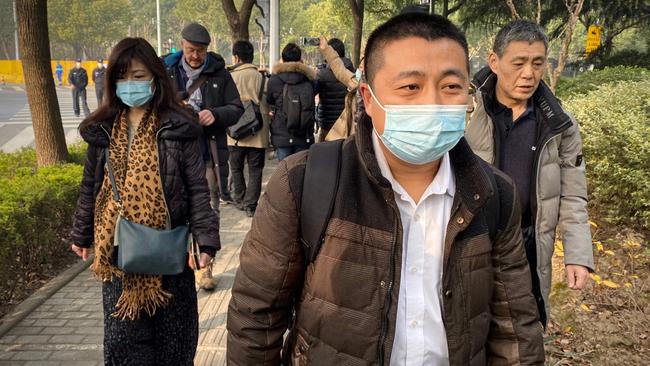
[[420, 337]]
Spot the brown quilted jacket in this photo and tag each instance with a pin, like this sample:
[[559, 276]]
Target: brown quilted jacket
[[345, 302]]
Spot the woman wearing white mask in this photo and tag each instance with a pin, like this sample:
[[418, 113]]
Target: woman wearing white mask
[[144, 172]]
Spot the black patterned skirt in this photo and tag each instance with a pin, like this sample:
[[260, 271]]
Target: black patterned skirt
[[167, 338]]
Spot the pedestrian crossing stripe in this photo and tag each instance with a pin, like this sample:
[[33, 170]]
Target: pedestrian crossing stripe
[[23, 137]]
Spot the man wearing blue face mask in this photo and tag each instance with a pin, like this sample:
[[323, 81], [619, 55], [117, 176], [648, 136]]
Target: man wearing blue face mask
[[422, 261]]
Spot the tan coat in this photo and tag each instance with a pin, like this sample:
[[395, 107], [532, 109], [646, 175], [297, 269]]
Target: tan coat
[[560, 186], [344, 125], [346, 300], [248, 80]]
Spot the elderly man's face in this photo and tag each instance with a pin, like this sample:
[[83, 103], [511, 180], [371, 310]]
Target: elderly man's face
[[194, 53], [519, 71]]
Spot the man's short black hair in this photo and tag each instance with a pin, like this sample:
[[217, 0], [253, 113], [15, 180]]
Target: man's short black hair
[[291, 53], [338, 46], [429, 27], [243, 50]]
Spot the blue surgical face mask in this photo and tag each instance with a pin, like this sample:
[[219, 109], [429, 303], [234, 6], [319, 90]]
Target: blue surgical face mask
[[420, 134], [135, 93]]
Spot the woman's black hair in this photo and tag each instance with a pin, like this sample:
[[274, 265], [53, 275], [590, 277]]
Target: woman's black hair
[[124, 52]]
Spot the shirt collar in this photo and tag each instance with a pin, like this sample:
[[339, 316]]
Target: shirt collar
[[442, 183]]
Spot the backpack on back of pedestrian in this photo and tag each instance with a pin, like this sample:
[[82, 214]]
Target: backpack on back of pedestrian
[[298, 107], [291, 91]]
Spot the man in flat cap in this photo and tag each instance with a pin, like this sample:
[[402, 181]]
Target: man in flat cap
[[204, 83]]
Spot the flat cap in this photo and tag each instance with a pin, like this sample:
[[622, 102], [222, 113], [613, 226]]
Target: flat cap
[[196, 33]]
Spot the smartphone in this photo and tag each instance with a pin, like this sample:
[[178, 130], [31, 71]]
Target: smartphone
[[310, 41]]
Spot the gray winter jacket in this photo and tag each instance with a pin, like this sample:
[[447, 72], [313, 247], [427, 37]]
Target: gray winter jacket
[[558, 186]]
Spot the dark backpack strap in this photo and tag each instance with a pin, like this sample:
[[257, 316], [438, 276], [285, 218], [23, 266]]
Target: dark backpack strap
[[492, 208], [261, 92], [196, 84], [320, 185]]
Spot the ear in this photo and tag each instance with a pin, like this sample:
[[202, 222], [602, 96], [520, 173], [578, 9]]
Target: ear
[[493, 61], [367, 98]]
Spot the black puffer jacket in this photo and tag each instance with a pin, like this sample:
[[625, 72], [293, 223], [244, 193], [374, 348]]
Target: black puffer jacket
[[332, 95], [183, 179], [291, 73]]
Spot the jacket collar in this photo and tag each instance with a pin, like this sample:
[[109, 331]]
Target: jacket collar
[[298, 67], [545, 102], [173, 126], [241, 67], [213, 62], [473, 186]]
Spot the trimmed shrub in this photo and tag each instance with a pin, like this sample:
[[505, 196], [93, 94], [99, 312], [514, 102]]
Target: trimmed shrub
[[615, 126], [584, 83], [36, 207]]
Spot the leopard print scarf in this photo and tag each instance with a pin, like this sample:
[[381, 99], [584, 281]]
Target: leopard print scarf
[[138, 181]]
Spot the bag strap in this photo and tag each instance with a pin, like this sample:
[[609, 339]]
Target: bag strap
[[320, 185], [196, 84], [261, 92], [111, 176], [116, 193], [492, 207]]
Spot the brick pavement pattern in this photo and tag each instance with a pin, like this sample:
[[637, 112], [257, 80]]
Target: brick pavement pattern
[[67, 329]]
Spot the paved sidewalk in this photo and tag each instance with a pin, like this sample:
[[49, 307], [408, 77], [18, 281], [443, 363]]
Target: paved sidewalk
[[67, 329]]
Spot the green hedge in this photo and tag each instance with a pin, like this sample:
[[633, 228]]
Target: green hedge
[[615, 126], [36, 207], [584, 83]]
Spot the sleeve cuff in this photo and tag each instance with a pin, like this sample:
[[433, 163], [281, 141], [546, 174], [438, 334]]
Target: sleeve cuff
[[211, 251]]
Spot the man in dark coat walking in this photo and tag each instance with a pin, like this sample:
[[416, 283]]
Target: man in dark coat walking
[[204, 84], [78, 79], [98, 79]]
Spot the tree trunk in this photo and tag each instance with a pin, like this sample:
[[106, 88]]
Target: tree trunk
[[34, 43], [566, 42], [357, 8], [238, 20]]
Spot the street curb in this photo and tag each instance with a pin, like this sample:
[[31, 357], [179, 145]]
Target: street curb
[[41, 295]]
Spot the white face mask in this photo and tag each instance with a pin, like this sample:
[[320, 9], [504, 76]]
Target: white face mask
[[421, 133]]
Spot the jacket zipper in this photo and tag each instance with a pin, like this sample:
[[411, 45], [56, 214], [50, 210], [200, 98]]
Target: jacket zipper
[[536, 169], [385, 319], [169, 215]]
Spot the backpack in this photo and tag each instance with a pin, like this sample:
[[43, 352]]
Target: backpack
[[251, 120], [298, 107], [320, 186]]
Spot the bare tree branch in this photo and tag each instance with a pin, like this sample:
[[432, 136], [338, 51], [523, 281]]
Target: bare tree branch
[[513, 10], [457, 6], [574, 11]]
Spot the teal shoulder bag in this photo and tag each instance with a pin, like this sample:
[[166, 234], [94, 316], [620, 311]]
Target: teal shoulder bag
[[145, 250]]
